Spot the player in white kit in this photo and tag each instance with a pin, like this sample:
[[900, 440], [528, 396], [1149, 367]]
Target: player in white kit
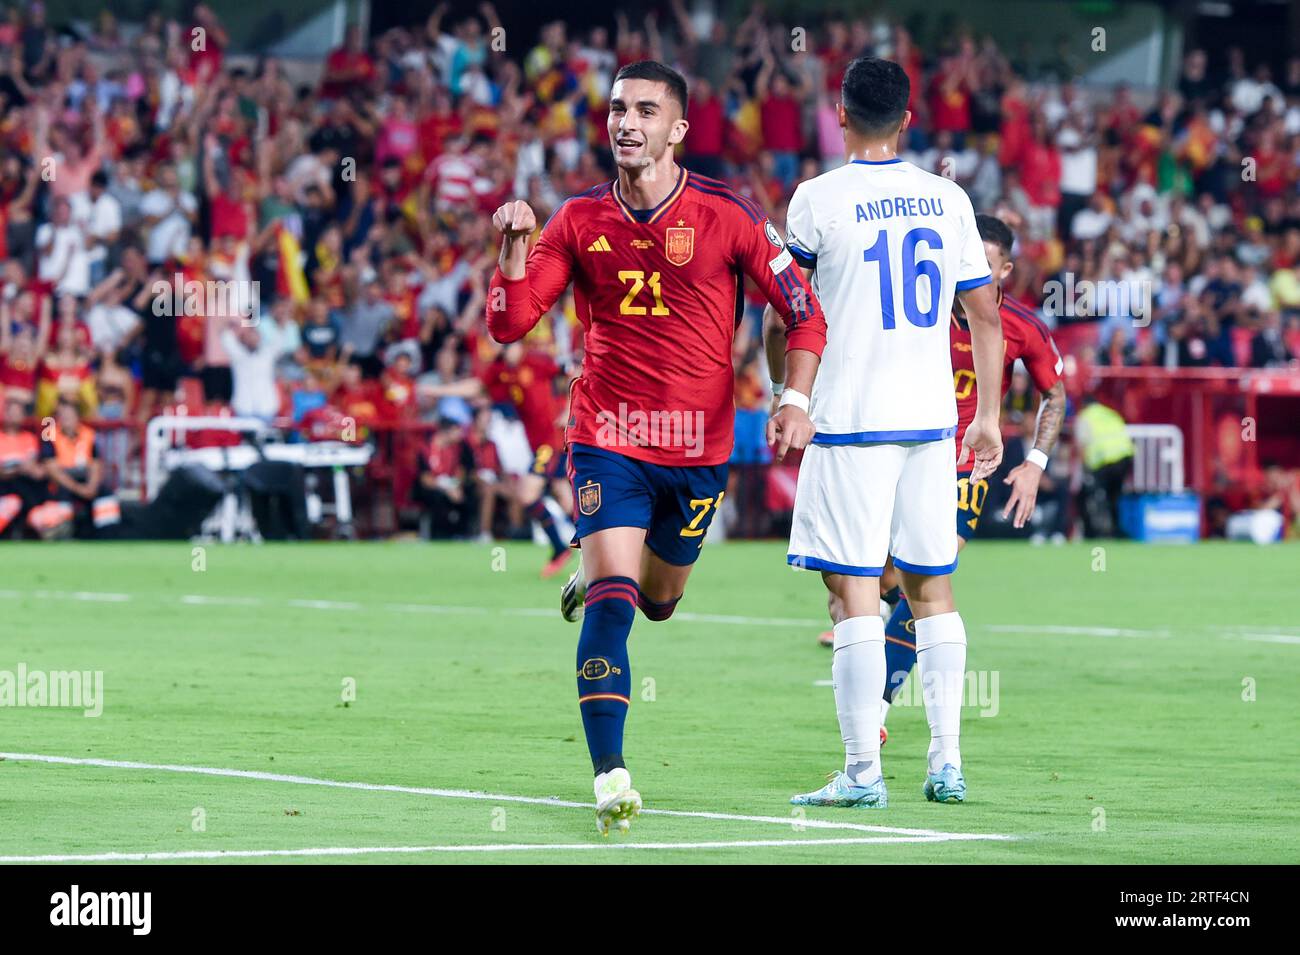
[[888, 246]]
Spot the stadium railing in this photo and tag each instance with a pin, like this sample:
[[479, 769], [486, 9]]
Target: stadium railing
[[1234, 420]]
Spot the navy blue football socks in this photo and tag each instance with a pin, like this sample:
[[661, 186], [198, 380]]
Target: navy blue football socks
[[604, 677], [900, 648], [538, 512]]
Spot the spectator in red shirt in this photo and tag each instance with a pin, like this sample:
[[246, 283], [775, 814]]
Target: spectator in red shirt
[[348, 68], [489, 477], [358, 398], [1017, 130], [206, 48], [781, 117], [22, 349], [398, 384], [708, 137], [950, 94], [444, 485], [1040, 175]]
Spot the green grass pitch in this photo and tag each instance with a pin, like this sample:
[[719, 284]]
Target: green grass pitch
[[1146, 712]]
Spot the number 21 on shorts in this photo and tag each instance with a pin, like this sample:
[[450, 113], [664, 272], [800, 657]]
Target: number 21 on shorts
[[701, 506]]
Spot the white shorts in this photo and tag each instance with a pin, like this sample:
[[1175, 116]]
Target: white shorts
[[856, 504]]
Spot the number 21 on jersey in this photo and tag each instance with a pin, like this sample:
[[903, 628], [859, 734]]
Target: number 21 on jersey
[[639, 281]]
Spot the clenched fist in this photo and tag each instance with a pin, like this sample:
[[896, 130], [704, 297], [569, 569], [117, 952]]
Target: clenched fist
[[515, 219]]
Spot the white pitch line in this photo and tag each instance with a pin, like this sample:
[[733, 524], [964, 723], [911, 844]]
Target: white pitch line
[[434, 608], [203, 600], [1265, 637], [325, 604], [488, 797], [480, 847], [1231, 632], [85, 595], [1072, 631], [689, 617]]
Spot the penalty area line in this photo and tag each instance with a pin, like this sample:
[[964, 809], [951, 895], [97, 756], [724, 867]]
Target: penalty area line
[[790, 821]]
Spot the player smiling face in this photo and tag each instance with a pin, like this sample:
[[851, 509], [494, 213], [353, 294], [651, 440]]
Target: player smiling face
[[647, 108]]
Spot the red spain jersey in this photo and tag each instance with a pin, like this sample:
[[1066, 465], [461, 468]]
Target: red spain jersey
[[658, 292], [1024, 336], [529, 386]]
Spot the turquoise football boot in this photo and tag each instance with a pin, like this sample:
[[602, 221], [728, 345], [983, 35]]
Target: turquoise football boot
[[947, 785], [841, 792]]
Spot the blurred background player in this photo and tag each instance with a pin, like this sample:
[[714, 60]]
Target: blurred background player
[[523, 379], [655, 257], [889, 246]]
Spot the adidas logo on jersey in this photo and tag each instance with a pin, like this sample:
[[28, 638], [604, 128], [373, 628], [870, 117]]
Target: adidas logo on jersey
[[600, 245]]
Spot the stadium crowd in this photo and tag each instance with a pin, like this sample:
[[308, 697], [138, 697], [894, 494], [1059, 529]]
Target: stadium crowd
[[358, 208]]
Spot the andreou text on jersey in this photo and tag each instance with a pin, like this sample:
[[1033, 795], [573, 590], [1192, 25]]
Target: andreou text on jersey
[[898, 207]]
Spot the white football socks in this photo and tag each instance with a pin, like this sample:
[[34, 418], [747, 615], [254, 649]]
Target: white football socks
[[858, 673], [941, 663]]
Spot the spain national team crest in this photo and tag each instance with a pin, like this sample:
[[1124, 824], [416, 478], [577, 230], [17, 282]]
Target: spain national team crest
[[679, 244], [589, 499]]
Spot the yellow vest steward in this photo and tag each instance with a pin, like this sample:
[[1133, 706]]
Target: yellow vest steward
[[1108, 439]]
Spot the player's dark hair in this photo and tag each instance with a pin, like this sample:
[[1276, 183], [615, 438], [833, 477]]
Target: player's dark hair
[[875, 94], [992, 229], [657, 72]]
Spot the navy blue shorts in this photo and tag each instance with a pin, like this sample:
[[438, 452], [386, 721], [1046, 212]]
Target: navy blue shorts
[[970, 504], [550, 462], [675, 505]]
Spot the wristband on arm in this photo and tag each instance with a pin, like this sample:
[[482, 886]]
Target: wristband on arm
[[792, 397]]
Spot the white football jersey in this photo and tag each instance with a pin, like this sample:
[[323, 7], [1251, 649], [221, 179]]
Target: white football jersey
[[890, 245]]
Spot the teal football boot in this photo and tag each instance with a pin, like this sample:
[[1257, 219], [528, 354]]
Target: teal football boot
[[842, 792], [947, 785]]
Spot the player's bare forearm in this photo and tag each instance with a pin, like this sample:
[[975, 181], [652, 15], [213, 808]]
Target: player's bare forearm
[[982, 436], [515, 221], [981, 308], [1025, 478], [790, 427], [511, 309], [801, 370], [774, 344], [464, 388], [1050, 417], [513, 260]]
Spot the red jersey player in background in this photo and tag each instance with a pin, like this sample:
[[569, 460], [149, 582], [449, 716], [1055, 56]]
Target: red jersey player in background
[[657, 258], [523, 379], [1025, 338]]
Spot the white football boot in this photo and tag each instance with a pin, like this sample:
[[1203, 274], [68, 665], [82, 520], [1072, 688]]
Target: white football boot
[[617, 803]]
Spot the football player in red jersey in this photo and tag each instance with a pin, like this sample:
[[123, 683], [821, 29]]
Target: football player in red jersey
[[1025, 337], [525, 379], [657, 258]]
